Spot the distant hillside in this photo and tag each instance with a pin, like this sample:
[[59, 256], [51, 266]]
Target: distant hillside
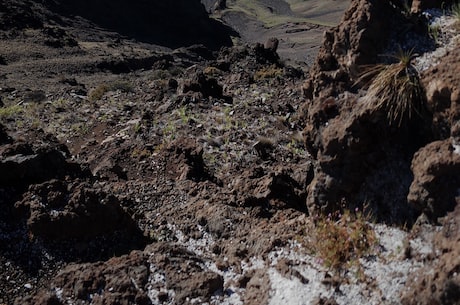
[[172, 23]]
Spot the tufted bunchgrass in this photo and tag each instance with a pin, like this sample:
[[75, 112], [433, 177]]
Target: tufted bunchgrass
[[394, 88]]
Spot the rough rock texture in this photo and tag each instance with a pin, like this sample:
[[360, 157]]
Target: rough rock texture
[[185, 160], [280, 188], [439, 281], [358, 153], [120, 280], [208, 186], [443, 96], [178, 279], [177, 264], [60, 211], [358, 40], [204, 85], [436, 169], [23, 162]]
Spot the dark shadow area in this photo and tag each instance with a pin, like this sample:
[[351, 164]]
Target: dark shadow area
[[167, 23]]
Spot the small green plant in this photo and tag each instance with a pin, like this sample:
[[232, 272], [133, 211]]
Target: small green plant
[[183, 114], [7, 112], [138, 128], [395, 88], [342, 238], [434, 31], [169, 133], [296, 147]]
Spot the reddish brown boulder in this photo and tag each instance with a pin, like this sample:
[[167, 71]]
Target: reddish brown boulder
[[436, 169], [60, 210], [442, 83], [120, 280]]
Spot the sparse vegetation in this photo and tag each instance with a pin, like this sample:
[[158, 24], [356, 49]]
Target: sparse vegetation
[[342, 238], [268, 72], [434, 31], [395, 88], [7, 112], [98, 92]]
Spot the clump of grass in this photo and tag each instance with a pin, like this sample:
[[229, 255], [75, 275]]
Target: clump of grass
[[342, 238], [212, 71], [268, 72], [395, 88], [10, 111], [455, 9], [434, 31], [98, 92]]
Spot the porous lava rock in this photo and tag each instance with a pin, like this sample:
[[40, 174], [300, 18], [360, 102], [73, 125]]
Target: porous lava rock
[[183, 273], [185, 160], [280, 188], [59, 211], [436, 169], [207, 86], [360, 156], [120, 280], [439, 281], [25, 162], [442, 88], [357, 40]]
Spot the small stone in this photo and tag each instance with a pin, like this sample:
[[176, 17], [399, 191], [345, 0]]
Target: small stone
[[28, 286]]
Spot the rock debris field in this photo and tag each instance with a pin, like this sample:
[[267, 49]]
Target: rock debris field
[[160, 153]]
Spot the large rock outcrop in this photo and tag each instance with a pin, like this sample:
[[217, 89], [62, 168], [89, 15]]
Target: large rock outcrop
[[358, 40], [361, 157], [436, 166]]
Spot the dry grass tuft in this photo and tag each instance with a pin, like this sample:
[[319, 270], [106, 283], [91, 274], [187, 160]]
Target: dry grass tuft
[[98, 92], [341, 239], [395, 89], [268, 72]]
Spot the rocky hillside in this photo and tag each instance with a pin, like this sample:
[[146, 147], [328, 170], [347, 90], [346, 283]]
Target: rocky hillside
[[143, 161]]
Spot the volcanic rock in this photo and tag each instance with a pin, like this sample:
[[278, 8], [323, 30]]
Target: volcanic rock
[[436, 169], [439, 281], [358, 40]]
